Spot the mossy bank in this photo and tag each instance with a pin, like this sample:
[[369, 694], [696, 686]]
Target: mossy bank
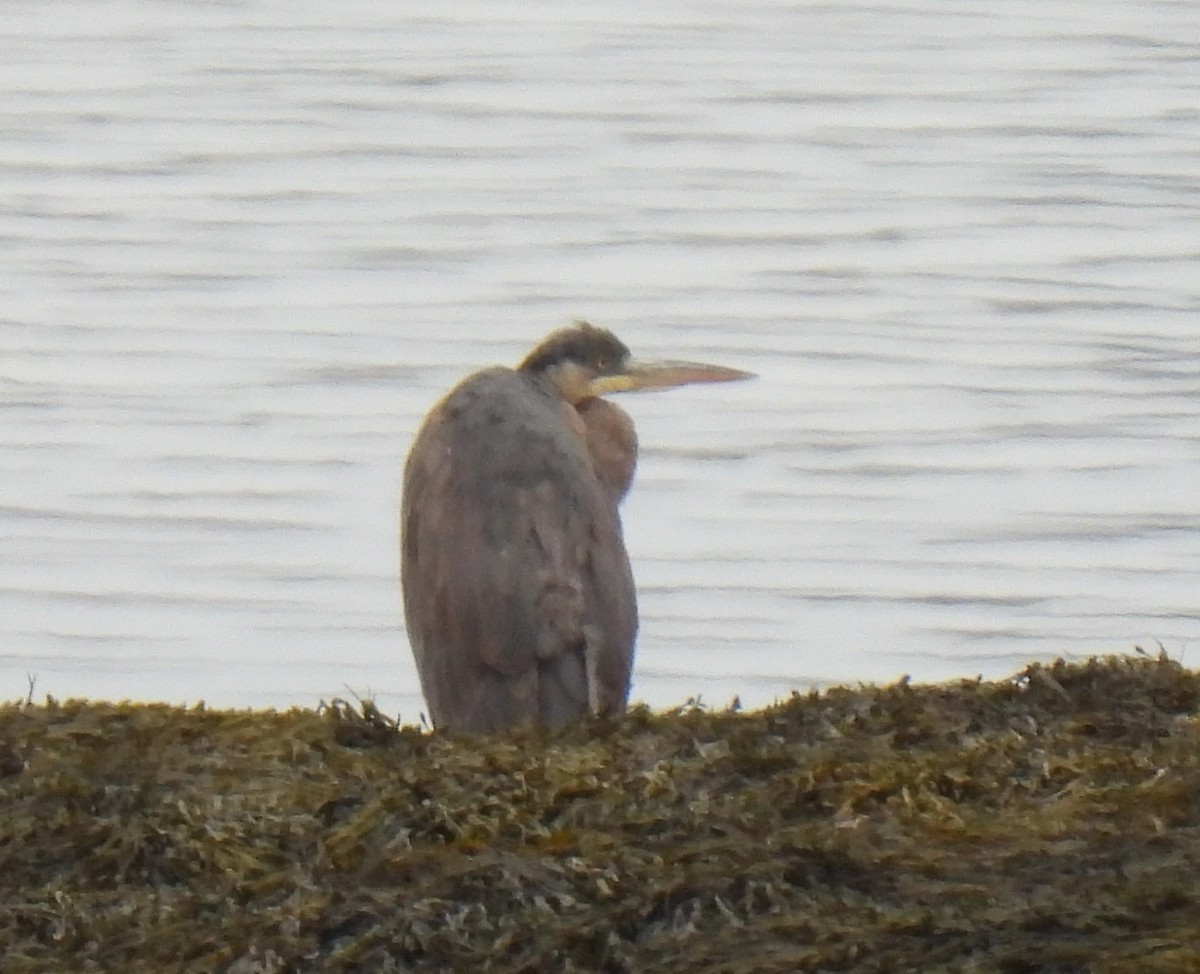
[[1049, 823]]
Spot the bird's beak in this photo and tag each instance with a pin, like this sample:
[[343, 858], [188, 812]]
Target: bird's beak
[[663, 375]]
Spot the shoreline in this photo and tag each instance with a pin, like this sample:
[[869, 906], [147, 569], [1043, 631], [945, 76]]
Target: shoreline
[[1050, 822]]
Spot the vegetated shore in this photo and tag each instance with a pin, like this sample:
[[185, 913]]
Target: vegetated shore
[[1047, 823]]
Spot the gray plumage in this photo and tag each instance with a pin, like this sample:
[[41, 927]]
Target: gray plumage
[[518, 595]]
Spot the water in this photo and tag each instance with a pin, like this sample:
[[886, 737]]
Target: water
[[246, 245]]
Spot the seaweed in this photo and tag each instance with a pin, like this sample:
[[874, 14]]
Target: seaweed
[[1049, 823]]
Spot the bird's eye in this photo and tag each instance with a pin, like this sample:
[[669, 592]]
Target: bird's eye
[[602, 364]]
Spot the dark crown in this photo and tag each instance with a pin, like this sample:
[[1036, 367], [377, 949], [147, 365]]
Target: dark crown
[[597, 349]]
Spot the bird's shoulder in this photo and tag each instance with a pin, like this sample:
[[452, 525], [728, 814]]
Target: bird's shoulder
[[500, 429]]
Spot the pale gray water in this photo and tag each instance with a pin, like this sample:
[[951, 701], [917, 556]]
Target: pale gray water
[[246, 245]]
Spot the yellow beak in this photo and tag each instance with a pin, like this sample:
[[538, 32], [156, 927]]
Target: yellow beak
[[663, 375]]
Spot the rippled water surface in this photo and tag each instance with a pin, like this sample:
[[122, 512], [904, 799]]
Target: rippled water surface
[[247, 244]]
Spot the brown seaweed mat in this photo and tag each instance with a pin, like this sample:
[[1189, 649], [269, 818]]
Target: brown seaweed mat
[[1049, 823]]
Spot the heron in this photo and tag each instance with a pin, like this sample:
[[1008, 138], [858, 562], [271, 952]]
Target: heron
[[519, 600]]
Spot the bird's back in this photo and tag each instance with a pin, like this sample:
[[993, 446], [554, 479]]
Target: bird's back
[[518, 595]]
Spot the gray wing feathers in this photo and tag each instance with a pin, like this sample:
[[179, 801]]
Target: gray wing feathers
[[518, 596]]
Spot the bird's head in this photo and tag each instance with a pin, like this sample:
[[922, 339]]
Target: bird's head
[[582, 362]]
